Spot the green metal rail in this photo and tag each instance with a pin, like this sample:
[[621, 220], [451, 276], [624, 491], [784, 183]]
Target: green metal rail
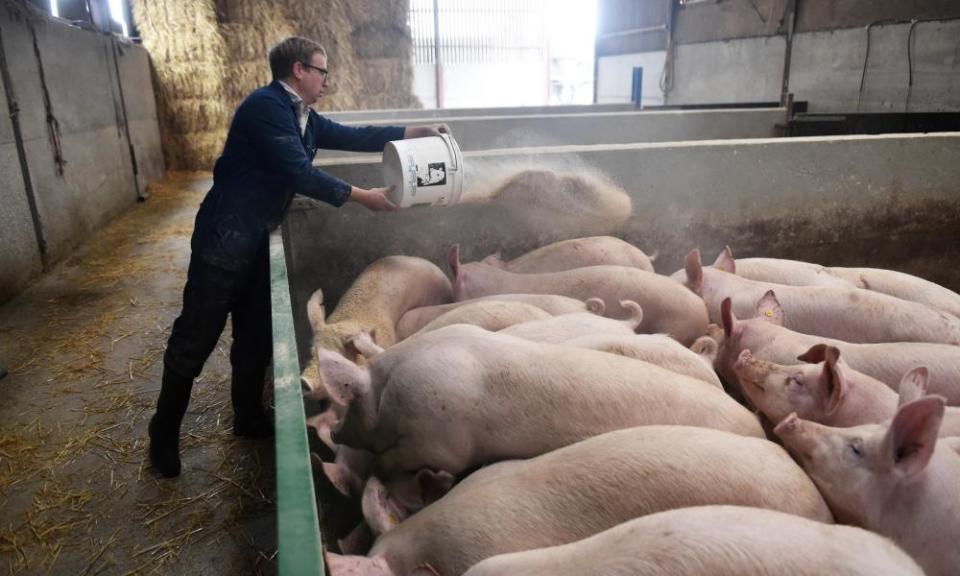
[[298, 530]]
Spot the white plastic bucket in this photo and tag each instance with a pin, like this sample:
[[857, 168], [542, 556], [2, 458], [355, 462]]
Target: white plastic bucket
[[424, 171]]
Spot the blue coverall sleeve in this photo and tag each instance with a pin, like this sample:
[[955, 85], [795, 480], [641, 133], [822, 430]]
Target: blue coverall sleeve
[[331, 135], [274, 133]]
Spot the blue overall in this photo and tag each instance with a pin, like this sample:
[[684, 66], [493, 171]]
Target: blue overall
[[265, 161]]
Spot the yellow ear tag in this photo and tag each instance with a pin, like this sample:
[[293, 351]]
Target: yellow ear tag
[[393, 519], [769, 313]]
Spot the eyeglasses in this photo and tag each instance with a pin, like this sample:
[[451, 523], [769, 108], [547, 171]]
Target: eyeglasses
[[323, 71]]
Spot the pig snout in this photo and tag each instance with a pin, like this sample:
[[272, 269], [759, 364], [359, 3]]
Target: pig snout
[[749, 370], [357, 565], [797, 436]]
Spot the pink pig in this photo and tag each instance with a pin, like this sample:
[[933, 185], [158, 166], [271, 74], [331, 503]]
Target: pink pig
[[582, 489], [460, 397], [768, 339], [576, 253], [848, 314], [687, 542], [668, 309], [892, 479]]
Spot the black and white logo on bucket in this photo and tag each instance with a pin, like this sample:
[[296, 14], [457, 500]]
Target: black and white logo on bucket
[[433, 174]]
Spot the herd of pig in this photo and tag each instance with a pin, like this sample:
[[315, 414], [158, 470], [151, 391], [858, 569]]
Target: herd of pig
[[571, 411]]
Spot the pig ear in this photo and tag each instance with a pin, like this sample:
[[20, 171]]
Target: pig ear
[[379, 510], [912, 435], [343, 379], [453, 257], [694, 268], [913, 385], [815, 355], [727, 317], [433, 484], [495, 259], [315, 310], [725, 261], [365, 344], [769, 308], [833, 379]]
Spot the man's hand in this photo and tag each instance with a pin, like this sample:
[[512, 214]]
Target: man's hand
[[374, 199], [424, 131]]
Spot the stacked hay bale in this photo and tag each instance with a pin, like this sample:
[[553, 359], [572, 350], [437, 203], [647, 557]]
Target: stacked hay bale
[[188, 55], [209, 54]]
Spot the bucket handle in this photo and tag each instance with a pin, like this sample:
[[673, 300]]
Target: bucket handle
[[454, 150]]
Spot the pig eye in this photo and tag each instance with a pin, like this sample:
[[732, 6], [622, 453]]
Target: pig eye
[[794, 381], [856, 447]]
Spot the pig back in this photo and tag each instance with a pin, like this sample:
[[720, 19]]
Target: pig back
[[668, 307], [713, 541], [579, 253], [583, 489]]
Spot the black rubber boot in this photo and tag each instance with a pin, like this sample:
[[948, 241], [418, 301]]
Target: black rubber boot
[[165, 425], [250, 420]]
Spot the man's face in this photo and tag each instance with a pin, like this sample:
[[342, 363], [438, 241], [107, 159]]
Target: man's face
[[313, 83]]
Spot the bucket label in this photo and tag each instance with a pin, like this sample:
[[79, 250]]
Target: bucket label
[[433, 174]]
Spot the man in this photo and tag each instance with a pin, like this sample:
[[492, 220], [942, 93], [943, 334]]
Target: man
[[267, 159]]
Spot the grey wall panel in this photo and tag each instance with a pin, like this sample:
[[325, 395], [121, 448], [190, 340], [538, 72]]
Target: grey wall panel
[[827, 67], [141, 108], [708, 21], [818, 15], [19, 253], [97, 179], [604, 128], [747, 70], [426, 115]]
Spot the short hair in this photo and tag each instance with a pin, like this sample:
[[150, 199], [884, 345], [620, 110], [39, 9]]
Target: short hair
[[290, 50]]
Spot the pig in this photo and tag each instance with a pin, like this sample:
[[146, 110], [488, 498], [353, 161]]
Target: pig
[[827, 391], [780, 271], [952, 442], [656, 349], [689, 541], [491, 315], [415, 319], [460, 397], [375, 302], [901, 285], [580, 490], [847, 314], [894, 479], [768, 339], [558, 329], [576, 253], [668, 309]]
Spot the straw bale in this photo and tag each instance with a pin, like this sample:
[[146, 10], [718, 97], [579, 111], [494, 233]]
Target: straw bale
[[207, 55]]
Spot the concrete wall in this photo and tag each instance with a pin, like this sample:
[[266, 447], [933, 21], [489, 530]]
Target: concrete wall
[[484, 133], [96, 180], [372, 115], [735, 51], [747, 70], [826, 69], [889, 201]]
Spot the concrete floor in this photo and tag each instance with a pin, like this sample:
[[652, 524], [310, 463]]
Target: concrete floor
[[84, 348]]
